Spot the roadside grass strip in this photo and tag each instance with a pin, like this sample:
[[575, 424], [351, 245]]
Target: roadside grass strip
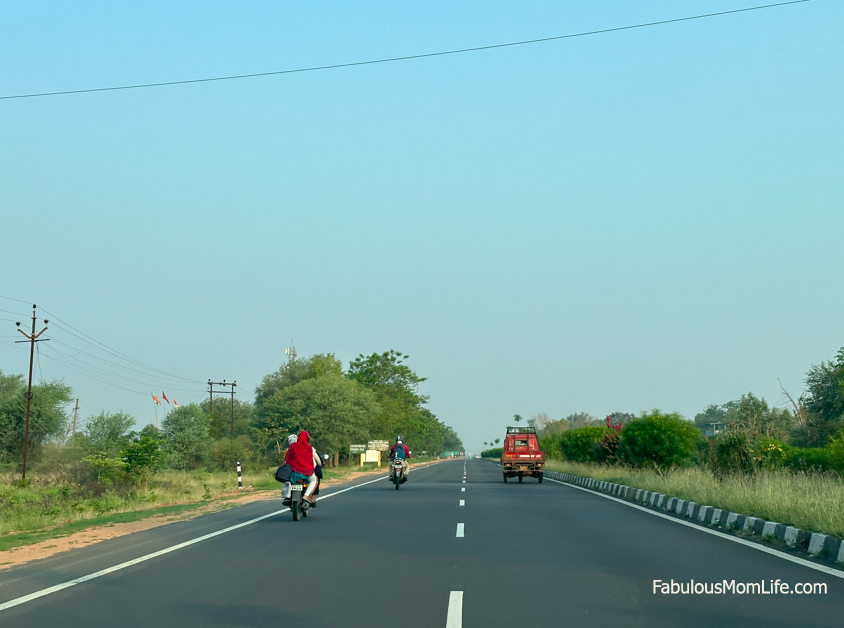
[[818, 545], [129, 563], [18, 539]]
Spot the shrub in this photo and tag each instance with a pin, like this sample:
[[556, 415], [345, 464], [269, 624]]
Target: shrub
[[732, 452], [551, 446], [142, 459], [658, 440], [492, 453], [227, 452], [581, 444]]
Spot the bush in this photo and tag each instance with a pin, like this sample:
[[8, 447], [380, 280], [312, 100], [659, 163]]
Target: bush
[[227, 452], [732, 452], [492, 453], [551, 446], [658, 440], [581, 444]]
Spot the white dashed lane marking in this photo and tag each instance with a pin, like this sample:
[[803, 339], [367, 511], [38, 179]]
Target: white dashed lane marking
[[463, 490], [462, 502], [455, 610], [460, 530]]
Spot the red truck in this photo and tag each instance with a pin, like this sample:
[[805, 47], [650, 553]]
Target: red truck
[[520, 455]]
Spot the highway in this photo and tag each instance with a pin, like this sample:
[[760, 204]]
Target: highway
[[444, 551]]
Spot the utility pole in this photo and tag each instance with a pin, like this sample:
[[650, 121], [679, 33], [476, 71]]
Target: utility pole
[[211, 399], [31, 338], [75, 412], [290, 351]]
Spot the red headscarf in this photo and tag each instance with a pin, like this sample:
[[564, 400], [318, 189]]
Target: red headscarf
[[300, 455]]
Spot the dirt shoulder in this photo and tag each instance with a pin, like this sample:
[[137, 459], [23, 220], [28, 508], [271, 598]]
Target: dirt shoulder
[[70, 537]]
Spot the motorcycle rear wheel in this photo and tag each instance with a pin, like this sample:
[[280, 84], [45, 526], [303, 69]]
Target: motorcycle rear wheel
[[294, 508]]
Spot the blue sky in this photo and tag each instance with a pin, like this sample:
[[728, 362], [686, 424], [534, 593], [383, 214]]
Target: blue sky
[[650, 218]]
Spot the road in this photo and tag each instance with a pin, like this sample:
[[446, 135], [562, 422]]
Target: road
[[530, 555]]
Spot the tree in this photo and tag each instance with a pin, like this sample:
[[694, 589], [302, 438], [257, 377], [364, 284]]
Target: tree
[[220, 418], [186, 439], [294, 371], [539, 421], [517, 418], [621, 418], [47, 417], [334, 410], [824, 402], [581, 419], [107, 433], [142, 458]]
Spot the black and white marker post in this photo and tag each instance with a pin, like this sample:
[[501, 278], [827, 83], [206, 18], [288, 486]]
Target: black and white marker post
[[239, 479]]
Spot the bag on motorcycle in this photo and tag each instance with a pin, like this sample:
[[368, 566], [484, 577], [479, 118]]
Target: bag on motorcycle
[[282, 474], [318, 472]]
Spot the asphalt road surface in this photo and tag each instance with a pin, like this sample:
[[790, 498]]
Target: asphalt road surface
[[438, 553]]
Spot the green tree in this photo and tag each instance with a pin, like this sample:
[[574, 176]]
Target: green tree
[[142, 458], [294, 371], [47, 417], [658, 440], [333, 409], [220, 418], [824, 403], [107, 433], [186, 438]]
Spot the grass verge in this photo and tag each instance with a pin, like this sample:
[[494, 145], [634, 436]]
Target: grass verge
[[805, 500], [10, 541]]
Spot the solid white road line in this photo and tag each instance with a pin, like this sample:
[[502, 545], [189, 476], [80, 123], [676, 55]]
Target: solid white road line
[[166, 550], [455, 610], [462, 502], [460, 530], [800, 561]]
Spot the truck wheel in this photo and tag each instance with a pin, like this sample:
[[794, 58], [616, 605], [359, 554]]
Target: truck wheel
[[539, 477], [505, 478], [520, 478]]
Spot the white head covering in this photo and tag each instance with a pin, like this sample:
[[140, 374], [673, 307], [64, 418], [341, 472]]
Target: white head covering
[[292, 439]]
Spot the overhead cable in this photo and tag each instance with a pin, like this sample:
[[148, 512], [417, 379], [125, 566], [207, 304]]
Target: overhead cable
[[403, 58]]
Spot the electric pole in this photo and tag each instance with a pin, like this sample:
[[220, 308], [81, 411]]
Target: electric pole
[[211, 398], [75, 412], [31, 338]]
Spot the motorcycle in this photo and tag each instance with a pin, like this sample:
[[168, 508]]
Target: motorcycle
[[299, 506], [397, 472]]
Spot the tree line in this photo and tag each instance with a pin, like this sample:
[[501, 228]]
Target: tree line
[[740, 436], [376, 398]]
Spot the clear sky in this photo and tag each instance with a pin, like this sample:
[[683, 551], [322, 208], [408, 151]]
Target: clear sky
[[650, 218]]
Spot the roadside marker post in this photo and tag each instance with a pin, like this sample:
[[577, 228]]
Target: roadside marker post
[[239, 478]]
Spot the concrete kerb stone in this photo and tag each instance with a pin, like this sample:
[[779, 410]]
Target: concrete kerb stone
[[681, 504], [749, 522], [703, 513], [692, 510], [816, 544], [769, 529]]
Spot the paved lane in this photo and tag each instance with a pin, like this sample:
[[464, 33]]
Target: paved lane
[[529, 555]]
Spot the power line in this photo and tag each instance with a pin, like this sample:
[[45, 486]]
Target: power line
[[103, 347], [404, 58]]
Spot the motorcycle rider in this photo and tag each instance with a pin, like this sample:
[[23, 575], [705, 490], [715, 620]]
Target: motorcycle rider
[[401, 452], [303, 460]]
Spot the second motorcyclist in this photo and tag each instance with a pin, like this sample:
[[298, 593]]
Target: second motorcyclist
[[401, 452]]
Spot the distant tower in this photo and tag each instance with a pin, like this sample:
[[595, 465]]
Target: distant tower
[[290, 351]]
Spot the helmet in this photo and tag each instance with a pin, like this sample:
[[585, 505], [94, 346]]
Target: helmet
[[398, 439]]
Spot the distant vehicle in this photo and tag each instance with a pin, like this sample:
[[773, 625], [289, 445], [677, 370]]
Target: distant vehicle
[[521, 456]]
